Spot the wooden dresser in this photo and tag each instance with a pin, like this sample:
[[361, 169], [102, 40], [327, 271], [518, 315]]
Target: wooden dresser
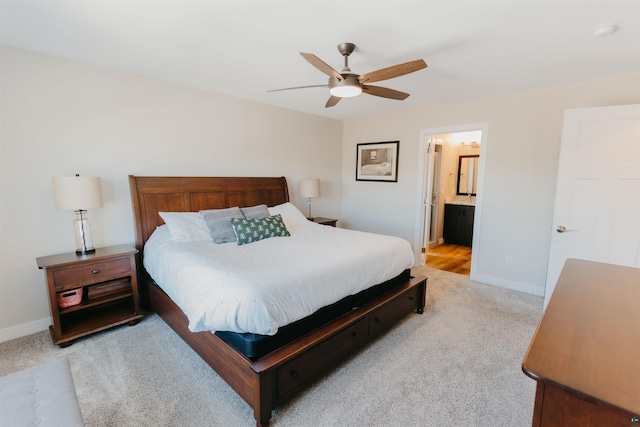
[[585, 353]]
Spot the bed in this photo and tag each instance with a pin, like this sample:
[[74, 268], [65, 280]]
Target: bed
[[270, 378], [377, 169]]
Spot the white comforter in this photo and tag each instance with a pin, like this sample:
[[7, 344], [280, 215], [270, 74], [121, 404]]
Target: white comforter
[[262, 286]]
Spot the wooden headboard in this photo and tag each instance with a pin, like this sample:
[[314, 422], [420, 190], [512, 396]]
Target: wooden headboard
[[153, 194]]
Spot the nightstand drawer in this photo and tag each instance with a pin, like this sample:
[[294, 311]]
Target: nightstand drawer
[[89, 273], [108, 288]]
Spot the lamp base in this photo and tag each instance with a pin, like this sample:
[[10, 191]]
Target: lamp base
[[309, 217], [84, 239]]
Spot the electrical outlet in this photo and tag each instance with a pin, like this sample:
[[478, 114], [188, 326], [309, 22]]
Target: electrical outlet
[[508, 260]]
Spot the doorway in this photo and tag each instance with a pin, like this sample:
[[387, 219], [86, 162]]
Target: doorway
[[450, 193], [450, 257]]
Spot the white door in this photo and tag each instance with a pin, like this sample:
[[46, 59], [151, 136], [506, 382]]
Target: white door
[[597, 206], [435, 195], [426, 199]]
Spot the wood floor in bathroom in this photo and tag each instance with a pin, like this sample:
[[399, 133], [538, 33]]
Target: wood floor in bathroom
[[453, 258]]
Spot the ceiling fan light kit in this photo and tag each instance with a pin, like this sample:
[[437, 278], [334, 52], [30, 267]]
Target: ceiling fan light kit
[[346, 84], [346, 88]]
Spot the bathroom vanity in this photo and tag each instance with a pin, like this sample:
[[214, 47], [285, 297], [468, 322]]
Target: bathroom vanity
[[458, 224]]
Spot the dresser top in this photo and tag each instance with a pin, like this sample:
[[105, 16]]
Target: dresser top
[[588, 340]]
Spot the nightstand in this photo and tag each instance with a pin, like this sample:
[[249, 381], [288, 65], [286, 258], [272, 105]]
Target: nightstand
[[324, 221], [105, 285]]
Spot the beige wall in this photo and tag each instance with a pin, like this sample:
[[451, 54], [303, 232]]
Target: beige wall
[[524, 131], [61, 117]]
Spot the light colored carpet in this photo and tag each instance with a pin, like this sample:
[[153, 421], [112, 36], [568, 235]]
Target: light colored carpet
[[458, 364]]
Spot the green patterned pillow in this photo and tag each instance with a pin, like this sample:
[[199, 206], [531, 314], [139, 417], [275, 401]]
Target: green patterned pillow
[[249, 230]]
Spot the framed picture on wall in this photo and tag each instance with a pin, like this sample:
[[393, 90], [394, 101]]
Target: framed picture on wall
[[377, 161]]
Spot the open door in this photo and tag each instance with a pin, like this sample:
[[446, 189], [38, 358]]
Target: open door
[[428, 199]]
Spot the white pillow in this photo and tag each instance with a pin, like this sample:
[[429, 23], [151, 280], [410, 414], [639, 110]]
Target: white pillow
[[290, 214], [186, 226]]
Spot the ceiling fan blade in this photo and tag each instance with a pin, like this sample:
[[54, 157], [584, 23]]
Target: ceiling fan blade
[[333, 100], [393, 71], [384, 92], [321, 65], [297, 87]]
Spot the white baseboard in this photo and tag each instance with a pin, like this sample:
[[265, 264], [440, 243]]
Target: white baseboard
[[24, 329], [509, 284]]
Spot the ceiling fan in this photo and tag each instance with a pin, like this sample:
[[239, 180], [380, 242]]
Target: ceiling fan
[[346, 84]]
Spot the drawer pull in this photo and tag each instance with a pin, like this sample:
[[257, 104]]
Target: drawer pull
[[411, 299], [294, 374], [635, 420], [355, 334], [375, 319], [96, 271]]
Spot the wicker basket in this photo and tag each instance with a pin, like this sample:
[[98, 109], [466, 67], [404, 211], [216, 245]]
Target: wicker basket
[[69, 298]]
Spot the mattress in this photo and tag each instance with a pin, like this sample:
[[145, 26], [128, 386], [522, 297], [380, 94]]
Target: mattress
[[254, 346], [260, 287]]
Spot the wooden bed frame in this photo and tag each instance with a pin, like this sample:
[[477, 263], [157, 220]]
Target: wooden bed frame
[[275, 378]]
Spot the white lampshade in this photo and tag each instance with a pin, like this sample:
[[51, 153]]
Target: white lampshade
[[310, 188], [76, 193]]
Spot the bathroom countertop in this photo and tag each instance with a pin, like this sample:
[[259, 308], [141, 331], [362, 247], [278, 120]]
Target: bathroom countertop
[[460, 202]]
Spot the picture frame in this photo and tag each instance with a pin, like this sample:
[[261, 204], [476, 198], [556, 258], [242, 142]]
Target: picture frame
[[377, 161]]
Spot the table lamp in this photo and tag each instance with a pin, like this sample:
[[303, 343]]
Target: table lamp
[[79, 193], [310, 188]]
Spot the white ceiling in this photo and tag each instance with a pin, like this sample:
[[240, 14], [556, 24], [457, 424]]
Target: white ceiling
[[244, 48]]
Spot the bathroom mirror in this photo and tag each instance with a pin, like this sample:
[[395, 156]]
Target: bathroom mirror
[[467, 175]]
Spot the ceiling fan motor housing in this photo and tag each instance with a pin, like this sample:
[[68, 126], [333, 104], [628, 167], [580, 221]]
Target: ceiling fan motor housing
[[346, 48]]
